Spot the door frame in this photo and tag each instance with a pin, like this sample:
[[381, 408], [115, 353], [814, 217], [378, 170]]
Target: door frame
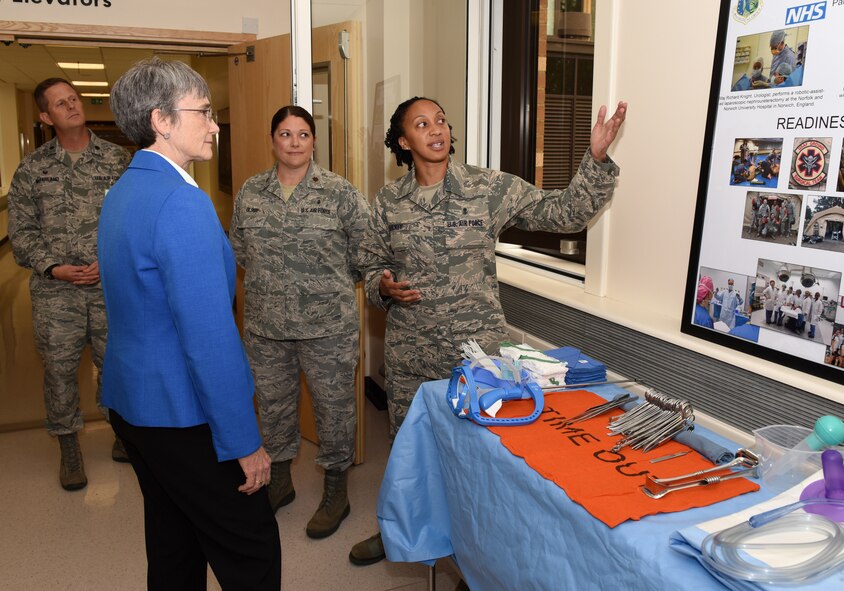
[[129, 37]]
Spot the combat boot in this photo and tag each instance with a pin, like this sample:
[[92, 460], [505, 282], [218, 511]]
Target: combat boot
[[369, 551], [72, 468], [333, 508], [280, 490]]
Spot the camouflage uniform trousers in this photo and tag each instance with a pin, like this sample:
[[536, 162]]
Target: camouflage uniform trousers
[[329, 367], [65, 318], [428, 350]]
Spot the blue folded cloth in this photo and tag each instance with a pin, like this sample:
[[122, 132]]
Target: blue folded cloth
[[713, 452], [581, 368]]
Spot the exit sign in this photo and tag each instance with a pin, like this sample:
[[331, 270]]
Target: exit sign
[[96, 101]]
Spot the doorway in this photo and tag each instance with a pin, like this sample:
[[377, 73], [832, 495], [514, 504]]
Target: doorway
[[19, 407]]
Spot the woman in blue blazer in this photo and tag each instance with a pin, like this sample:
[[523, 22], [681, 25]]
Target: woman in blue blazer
[[175, 376]]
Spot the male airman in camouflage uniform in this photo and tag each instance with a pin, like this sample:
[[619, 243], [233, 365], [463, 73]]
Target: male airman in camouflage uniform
[[54, 204], [300, 257], [428, 256]]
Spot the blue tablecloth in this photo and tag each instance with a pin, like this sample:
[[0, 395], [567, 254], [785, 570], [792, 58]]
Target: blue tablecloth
[[451, 488]]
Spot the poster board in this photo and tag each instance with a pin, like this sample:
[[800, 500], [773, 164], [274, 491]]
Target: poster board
[[769, 220]]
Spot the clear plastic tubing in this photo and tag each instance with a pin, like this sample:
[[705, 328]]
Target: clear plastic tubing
[[725, 551]]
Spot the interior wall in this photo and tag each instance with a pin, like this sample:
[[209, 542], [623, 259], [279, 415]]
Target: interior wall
[[222, 16], [660, 151], [444, 53]]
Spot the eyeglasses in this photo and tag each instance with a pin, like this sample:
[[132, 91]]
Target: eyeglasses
[[210, 115]]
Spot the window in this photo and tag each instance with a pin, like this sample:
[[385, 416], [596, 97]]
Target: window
[[546, 138]]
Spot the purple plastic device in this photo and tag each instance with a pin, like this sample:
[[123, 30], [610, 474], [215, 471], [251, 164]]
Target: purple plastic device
[[831, 487]]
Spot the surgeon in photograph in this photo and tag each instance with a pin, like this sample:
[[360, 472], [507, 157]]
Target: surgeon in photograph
[[815, 315], [702, 298], [730, 300], [756, 75], [782, 53], [806, 305], [769, 296], [782, 294], [781, 74]]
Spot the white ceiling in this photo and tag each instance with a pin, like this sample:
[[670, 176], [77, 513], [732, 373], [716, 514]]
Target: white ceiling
[[25, 66]]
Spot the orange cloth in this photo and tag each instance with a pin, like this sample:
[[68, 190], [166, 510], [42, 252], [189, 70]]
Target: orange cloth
[[579, 460]]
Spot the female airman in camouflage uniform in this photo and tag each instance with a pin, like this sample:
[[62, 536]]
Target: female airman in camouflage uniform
[[295, 230], [429, 253]]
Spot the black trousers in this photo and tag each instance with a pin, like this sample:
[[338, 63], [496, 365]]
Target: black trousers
[[194, 516]]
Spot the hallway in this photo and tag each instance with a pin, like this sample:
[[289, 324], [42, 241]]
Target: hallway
[[93, 540]]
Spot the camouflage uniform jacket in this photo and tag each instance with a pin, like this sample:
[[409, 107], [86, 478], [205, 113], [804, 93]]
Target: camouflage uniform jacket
[[54, 205], [300, 254], [446, 248]]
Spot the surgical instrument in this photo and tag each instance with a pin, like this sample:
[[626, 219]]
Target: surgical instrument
[[590, 413], [669, 457], [653, 423], [587, 384], [744, 458], [656, 491]]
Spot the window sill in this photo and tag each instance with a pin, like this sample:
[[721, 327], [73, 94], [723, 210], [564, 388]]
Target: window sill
[[547, 266]]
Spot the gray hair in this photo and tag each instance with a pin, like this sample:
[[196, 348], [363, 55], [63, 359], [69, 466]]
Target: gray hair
[[148, 85], [777, 37]]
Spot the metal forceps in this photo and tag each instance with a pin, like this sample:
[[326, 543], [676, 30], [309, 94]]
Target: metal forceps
[[600, 409], [653, 423]]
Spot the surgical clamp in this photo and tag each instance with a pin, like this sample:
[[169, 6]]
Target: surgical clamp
[[656, 488]]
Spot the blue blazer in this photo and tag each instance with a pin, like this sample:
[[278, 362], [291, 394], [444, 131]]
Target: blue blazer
[[174, 357]]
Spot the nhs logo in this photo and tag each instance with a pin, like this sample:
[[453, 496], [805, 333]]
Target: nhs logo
[[808, 12]]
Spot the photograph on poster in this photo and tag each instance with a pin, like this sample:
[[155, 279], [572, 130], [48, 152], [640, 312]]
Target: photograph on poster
[[810, 163], [771, 217], [722, 305], [756, 162], [795, 299], [773, 59], [835, 351], [841, 170], [823, 225]]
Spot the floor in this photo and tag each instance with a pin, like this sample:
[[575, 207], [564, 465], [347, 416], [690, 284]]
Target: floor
[[93, 539], [823, 332]]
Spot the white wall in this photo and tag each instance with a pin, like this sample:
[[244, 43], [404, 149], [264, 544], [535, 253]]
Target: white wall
[[653, 210], [222, 16]]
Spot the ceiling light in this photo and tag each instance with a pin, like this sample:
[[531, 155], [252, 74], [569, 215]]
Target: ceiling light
[[80, 66], [84, 83], [96, 94]]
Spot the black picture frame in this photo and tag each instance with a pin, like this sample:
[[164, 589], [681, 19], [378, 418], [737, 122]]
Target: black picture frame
[[724, 56]]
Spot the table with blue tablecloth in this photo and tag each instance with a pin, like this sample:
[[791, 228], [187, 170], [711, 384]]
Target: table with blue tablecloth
[[452, 489]]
